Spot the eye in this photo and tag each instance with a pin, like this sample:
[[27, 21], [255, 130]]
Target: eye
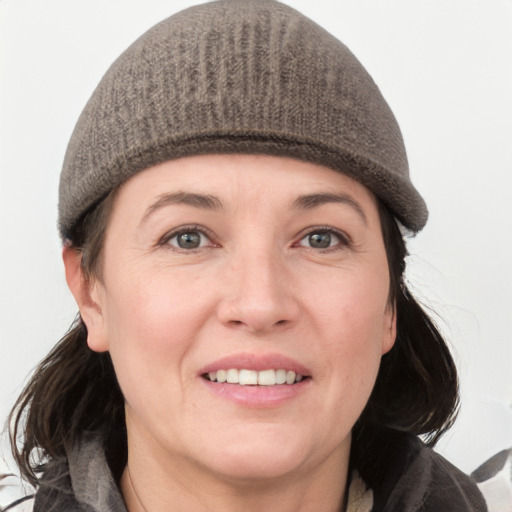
[[323, 239], [187, 239]]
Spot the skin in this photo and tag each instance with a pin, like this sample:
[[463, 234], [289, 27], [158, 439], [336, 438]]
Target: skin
[[255, 286]]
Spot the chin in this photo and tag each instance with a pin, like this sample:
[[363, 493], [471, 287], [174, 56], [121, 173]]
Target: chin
[[260, 456], [244, 468]]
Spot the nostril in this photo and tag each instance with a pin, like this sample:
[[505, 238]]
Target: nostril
[[258, 314]]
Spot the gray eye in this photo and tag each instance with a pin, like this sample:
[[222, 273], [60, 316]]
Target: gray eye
[[189, 240], [320, 240]]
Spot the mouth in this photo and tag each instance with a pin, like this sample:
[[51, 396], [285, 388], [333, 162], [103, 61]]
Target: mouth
[[257, 381], [245, 377]]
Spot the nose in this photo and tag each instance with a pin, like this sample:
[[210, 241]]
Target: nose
[[258, 295]]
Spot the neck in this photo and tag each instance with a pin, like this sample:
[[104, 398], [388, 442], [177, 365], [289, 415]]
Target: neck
[[152, 484], [288, 498]]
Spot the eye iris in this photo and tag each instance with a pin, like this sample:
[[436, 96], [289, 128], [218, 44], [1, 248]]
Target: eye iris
[[320, 240], [189, 240]]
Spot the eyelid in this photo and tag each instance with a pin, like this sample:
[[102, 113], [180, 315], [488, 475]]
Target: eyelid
[[187, 228], [345, 240]]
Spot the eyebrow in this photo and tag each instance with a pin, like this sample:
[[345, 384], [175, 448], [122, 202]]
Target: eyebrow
[[310, 201], [205, 202]]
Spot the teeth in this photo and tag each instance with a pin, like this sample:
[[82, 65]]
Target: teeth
[[247, 377], [280, 376], [232, 376], [253, 378], [267, 378]]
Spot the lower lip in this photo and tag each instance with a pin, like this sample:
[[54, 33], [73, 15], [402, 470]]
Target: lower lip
[[257, 396]]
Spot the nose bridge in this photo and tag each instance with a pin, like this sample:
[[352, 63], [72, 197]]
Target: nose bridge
[[259, 295], [260, 279]]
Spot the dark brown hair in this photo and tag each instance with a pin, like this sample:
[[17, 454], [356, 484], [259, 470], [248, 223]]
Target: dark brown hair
[[75, 389]]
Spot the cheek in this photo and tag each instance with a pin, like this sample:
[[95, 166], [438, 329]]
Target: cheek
[[353, 317], [153, 306], [348, 324], [355, 350], [151, 326], [354, 305]]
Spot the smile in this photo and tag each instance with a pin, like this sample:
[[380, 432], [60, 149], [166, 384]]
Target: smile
[[254, 378]]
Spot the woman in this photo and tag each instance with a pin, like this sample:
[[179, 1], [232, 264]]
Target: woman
[[228, 207]]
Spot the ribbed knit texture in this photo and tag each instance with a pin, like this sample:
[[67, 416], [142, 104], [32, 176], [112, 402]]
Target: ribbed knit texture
[[236, 76]]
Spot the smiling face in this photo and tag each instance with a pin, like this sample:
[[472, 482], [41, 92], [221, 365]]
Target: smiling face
[[244, 302]]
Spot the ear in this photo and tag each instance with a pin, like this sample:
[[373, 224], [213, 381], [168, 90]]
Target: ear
[[389, 328], [89, 295]]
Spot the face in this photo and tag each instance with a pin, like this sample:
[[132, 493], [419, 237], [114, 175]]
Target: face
[[244, 301]]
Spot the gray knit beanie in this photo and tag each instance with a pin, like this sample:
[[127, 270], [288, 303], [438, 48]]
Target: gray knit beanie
[[236, 76]]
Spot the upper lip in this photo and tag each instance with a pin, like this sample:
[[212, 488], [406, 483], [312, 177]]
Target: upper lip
[[257, 362]]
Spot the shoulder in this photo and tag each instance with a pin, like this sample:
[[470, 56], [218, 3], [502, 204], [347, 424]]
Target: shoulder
[[419, 479], [450, 485]]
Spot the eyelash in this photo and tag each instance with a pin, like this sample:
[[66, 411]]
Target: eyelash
[[193, 228], [344, 240]]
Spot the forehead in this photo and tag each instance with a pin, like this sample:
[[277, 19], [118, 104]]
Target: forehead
[[234, 177]]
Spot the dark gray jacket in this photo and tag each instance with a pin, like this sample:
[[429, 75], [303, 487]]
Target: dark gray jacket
[[415, 479]]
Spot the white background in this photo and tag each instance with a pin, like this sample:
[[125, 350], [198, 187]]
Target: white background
[[445, 67]]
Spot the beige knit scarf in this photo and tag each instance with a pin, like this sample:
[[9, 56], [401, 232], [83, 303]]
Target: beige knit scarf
[[360, 498]]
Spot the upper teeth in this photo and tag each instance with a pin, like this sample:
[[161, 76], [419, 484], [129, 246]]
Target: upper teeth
[[252, 377]]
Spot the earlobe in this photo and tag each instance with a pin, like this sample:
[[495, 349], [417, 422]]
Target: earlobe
[[88, 295]]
